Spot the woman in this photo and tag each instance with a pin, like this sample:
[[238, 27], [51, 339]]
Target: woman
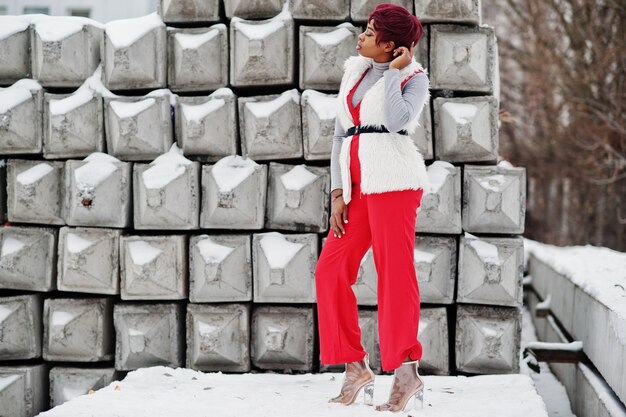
[[378, 178]]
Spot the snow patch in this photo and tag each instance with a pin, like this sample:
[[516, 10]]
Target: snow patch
[[438, 172], [461, 112], [278, 250], [10, 246], [141, 252], [123, 33], [125, 109], [99, 167], [231, 171], [197, 112], [77, 244], [165, 168], [212, 252], [267, 108], [195, 40], [34, 174]]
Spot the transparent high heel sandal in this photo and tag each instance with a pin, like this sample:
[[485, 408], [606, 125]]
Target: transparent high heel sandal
[[358, 376], [404, 395]]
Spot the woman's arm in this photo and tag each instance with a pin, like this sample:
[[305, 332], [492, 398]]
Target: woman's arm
[[401, 106], [335, 171]]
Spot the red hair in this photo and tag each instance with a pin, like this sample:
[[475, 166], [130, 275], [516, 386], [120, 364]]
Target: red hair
[[397, 24]]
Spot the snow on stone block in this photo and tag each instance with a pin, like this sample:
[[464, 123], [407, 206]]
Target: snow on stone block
[[262, 51], [494, 199], [188, 11], [67, 383], [270, 126], [139, 128], [284, 267], [319, 111], [78, 330], [197, 58], [89, 260], [218, 337], [220, 268], [488, 339], [28, 258], [14, 43], [490, 270], [207, 126], [134, 53], [433, 335], [466, 129], [453, 11], [326, 10], [323, 50], [98, 191], [233, 194], [359, 9], [35, 191], [73, 124], [368, 323], [65, 50], [252, 10], [435, 259], [463, 58], [153, 267], [423, 135], [297, 197], [282, 338], [167, 192], [148, 335], [24, 389], [20, 326], [21, 108], [440, 209]]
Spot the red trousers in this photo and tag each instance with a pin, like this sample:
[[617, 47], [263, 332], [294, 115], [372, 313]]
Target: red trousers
[[386, 221]]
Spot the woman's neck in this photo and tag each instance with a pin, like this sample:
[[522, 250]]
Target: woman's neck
[[379, 67]]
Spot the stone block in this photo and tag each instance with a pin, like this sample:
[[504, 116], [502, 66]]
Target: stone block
[[490, 270], [319, 10], [233, 194], [206, 127], [197, 58], [252, 9], [463, 58], [28, 258], [423, 135], [262, 51], [167, 193], [35, 191], [89, 260], [488, 339], [188, 11], [220, 268], [148, 335], [134, 53], [67, 383], [73, 124], [435, 259], [3, 190], [466, 129], [323, 50], [318, 124], [98, 191], [452, 11], [433, 335], [21, 114], [218, 337], [24, 390], [284, 267], [494, 199], [14, 42], [139, 128], [366, 285], [270, 126], [440, 209], [153, 267], [297, 197], [282, 338], [20, 326], [359, 9], [65, 50], [78, 330]]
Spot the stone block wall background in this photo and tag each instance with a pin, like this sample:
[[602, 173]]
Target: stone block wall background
[[165, 194]]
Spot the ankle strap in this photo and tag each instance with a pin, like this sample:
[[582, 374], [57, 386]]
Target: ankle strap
[[415, 361]]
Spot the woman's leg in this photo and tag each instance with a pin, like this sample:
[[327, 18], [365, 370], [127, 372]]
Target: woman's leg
[[392, 222], [335, 273]]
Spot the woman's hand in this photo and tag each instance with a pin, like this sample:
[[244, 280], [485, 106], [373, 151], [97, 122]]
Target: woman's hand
[[404, 59], [339, 216]]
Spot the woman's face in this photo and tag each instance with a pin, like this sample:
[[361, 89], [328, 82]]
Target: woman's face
[[367, 45]]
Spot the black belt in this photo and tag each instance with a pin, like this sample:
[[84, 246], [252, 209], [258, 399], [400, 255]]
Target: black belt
[[354, 130]]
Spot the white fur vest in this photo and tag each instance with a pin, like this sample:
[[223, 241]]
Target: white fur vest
[[389, 161]]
